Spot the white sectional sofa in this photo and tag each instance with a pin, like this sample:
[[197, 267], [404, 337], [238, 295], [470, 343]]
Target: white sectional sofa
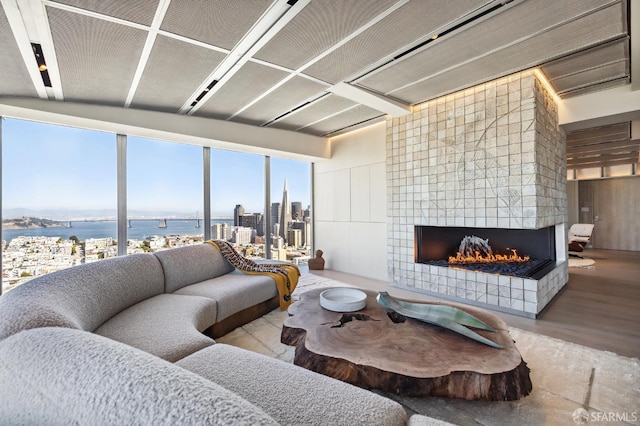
[[121, 341], [160, 303]]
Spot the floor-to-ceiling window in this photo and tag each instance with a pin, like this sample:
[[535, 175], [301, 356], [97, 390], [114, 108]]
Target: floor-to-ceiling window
[[291, 209], [62, 189], [58, 198], [237, 201], [164, 195]]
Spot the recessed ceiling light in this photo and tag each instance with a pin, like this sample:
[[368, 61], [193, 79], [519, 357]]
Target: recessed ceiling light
[[42, 64]]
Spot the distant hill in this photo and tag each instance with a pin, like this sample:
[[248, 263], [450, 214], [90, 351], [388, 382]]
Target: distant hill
[[100, 214], [31, 222]]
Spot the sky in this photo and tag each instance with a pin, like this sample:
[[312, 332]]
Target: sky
[[56, 167]]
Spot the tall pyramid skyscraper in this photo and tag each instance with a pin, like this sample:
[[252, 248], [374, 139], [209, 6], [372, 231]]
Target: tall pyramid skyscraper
[[285, 212]]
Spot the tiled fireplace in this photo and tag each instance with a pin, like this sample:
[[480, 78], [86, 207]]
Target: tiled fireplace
[[478, 161]]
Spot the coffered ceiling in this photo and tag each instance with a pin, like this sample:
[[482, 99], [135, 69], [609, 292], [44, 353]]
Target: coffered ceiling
[[313, 66]]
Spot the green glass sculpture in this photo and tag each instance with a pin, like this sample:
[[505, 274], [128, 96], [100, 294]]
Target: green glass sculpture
[[447, 317]]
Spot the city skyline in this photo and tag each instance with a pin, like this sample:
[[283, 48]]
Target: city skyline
[[74, 169]]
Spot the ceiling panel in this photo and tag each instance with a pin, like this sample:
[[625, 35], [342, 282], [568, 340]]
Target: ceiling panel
[[185, 65], [323, 107], [139, 11], [515, 36], [581, 45], [610, 52], [241, 89], [15, 80], [597, 86], [401, 28], [220, 23], [530, 51], [607, 72], [97, 59], [348, 118], [602, 63], [285, 98], [320, 25], [602, 146]]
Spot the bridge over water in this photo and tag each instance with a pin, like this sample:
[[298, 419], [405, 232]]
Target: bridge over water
[[162, 221]]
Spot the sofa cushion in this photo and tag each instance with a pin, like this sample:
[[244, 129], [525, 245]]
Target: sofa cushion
[[57, 376], [168, 325], [291, 394], [420, 420], [191, 264], [234, 291], [82, 297]]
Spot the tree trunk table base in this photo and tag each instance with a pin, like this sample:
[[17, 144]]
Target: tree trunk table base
[[375, 348]]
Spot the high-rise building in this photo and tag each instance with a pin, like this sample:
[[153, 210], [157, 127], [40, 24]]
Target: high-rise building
[[251, 220], [308, 233], [305, 229], [275, 213], [259, 219], [220, 231], [238, 211], [285, 214], [242, 235], [295, 237], [248, 220], [296, 210], [278, 243]]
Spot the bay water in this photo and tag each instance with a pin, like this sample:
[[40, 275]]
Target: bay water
[[139, 230]]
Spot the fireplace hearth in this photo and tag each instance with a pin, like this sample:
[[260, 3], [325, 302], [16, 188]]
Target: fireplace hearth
[[488, 161], [521, 253]]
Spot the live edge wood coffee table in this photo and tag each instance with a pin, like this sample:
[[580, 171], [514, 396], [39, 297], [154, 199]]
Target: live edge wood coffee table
[[404, 356]]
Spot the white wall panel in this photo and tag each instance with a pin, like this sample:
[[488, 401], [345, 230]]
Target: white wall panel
[[360, 194], [378, 192], [365, 259], [331, 238], [353, 247], [350, 205], [323, 197], [358, 148], [341, 192]]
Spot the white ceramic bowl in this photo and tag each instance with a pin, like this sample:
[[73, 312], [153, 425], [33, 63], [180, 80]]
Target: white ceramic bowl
[[343, 299]]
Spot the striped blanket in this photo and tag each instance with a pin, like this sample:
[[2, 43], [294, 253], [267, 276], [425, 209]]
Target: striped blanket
[[285, 274]]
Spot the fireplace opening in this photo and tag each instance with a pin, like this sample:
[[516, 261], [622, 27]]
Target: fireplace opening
[[526, 253]]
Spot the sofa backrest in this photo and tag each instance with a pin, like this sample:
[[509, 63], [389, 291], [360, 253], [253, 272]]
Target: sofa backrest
[[59, 376], [191, 264], [83, 296]]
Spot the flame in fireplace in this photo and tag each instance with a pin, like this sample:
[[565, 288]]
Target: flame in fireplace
[[489, 258]]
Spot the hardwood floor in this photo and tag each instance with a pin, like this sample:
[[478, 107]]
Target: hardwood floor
[[599, 307]]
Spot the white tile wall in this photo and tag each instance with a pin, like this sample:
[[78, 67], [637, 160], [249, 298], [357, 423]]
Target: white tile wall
[[490, 156]]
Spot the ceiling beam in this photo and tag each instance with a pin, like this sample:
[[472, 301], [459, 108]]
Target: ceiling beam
[[596, 141], [300, 70], [22, 19], [603, 164], [371, 99], [603, 147], [601, 108], [192, 130], [279, 14], [600, 159], [152, 33], [618, 130]]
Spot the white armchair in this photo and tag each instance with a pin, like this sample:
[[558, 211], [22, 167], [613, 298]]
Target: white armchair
[[579, 237]]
